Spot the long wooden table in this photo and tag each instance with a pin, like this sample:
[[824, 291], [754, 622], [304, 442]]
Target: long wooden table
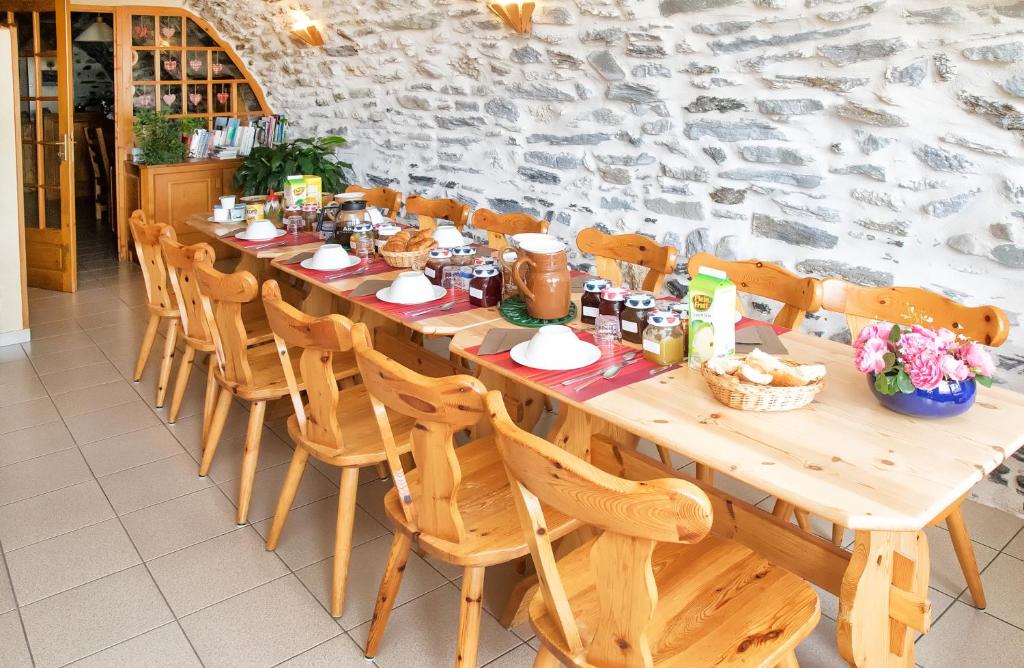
[[844, 458]]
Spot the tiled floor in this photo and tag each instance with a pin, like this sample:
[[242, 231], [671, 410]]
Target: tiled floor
[[114, 552]]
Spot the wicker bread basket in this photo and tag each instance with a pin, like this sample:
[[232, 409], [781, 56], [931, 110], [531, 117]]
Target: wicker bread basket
[[744, 396], [404, 259]]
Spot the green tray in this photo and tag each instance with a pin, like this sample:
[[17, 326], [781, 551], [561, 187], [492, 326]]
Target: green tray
[[513, 309]]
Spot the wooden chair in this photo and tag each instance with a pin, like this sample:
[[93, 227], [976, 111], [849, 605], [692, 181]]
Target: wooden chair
[[159, 300], [917, 306], [252, 373], [633, 249], [336, 426], [799, 295], [457, 503], [502, 225], [429, 210], [653, 588], [98, 176], [384, 198]]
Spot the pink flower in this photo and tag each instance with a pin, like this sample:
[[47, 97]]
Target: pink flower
[[924, 368], [876, 330], [870, 355], [919, 341], [954, 369], [977, 358]]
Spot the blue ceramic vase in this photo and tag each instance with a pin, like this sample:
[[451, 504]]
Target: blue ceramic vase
[[948, 399]]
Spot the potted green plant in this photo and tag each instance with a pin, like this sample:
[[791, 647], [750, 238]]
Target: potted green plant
[[159, 137], [266, 167]]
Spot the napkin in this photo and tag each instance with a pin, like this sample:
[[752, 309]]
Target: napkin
[[503, 340], [297, 258], [228, 230], [759, 336], [376, 217], [369, 287]]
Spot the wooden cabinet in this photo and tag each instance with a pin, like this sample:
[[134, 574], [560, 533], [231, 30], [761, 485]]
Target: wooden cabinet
[[171, 193]]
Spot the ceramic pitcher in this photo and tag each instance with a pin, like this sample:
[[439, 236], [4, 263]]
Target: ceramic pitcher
[[542, 275]]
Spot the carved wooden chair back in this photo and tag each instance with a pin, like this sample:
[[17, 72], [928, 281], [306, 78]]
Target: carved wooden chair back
[[914, 306], [499, 226], [146, 237], [384, 198], [633, 516], [441, 407], [222, 296], [429, 210], [799, 295], [181, 269], [633, 249]]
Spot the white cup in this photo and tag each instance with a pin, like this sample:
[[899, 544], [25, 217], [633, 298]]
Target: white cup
[[227, 201], [259, 230], [238, 213], [220, 214], [411, 287], [552, 345], [448, 236], [328, 257], [538, 243]]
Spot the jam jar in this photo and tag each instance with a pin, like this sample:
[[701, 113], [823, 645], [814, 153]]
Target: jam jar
[[608, 323], [462, 256], [591, 299], [485, 261], [362, 240], [438, 259], [485, 286], [634, 316], [664, 342]]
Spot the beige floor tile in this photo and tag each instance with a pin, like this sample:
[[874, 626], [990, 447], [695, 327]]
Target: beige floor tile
[[25, 414], [48, 515], [94, 307], [13, 648], [1004, 589], [1016, 546], [308, 535], [820, 650], [69, 380], [153, 483], [946, 575], [338, 651], [990, 526], [68, 359], [263, 626], [7, 601], [423, 633], [11, 353], [94, 398], [127, 451], [59, 344], [371, 499], [195, 394], [365, 570], [520, 657], [17, 371], [41, 475], [968, 637], [112, 421], [18, 391], [267, 487], [71, 559], [227, 464], [24, 444], [54, 329], [163, 647], [181, 522], [122, 315], [95, 616], [216, 569]]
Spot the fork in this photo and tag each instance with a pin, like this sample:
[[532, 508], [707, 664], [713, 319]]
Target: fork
[[346, 274]]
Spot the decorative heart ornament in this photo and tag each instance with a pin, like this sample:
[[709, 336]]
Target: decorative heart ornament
[[171, 66], [141, 31], [223, 97], [168, 31], [195, 99], [169, 98], [195, 64], [217, 68]]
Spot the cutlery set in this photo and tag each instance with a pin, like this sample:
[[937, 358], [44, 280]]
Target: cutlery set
[[605, 373]]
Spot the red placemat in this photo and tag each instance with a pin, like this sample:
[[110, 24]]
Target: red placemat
[[750, 322], [376, 266], [280, 242], [402, 311]]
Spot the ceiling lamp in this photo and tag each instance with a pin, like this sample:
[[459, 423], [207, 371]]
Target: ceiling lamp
[[97, 32], [306, 29], [516, 15]]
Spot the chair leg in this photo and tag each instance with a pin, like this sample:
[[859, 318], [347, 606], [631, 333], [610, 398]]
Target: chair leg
[[803, 519], [210, 400], [783, 510], [389, 585], [251, 455], [705, 474], [165, 363], [181, 382], [470, 608], [965, 555], [287, 497], [147, 345], [838, 533], [343, 537], [220, 415], [545, 659], [666, 457]]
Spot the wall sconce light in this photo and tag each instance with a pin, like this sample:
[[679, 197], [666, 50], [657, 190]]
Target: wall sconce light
[[516, 15], [306, 29]]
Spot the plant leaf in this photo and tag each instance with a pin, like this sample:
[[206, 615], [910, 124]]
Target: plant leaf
[[881, 384], [984, 380], [904, 384], [895, 333]]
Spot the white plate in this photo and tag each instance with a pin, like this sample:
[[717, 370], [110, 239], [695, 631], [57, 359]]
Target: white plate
[[211, 219], [353, 260], [439, 292], [589, 353], [241, 235]]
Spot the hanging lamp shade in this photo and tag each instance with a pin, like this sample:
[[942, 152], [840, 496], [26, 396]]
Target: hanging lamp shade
[[97, 32]]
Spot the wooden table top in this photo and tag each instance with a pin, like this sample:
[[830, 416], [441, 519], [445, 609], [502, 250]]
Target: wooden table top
[[201, 222], [844, 457]]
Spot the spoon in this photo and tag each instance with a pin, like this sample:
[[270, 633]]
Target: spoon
[[608, 374], [442, 307], [625, 358], [346, 274], [659, 369]]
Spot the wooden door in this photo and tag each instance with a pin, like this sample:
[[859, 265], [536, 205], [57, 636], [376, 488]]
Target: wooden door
[[47, 143]]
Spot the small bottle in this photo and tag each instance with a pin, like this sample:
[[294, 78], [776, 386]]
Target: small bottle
[[465, 277], [634, 316], [663, 340], [608, 323], [485, 286], [437, 260], [362, 241], [591, 299]]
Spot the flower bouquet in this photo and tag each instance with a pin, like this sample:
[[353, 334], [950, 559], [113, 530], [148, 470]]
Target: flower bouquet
[[920, 371]]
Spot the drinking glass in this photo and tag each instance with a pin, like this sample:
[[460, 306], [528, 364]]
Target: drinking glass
[[450, 280], [607, 332], [294, 225]]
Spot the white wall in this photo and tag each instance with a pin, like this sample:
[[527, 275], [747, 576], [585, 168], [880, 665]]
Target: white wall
[[12, 251]]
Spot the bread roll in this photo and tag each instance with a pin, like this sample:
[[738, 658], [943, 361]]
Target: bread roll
[[421, 245], [751, 374], [812, 373], [397, 243], [724, 366]]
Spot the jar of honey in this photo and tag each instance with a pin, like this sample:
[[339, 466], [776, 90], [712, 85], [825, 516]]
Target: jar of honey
[[634, 316], [485, 286], [663, 340], [591, 299]]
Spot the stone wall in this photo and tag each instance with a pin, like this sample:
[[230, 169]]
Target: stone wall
[[871, 139]]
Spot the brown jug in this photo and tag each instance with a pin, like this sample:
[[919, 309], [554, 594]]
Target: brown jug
[[543, 280]]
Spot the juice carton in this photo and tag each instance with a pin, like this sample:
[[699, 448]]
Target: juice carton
[[712, 299], [314, 189], [295, 190]]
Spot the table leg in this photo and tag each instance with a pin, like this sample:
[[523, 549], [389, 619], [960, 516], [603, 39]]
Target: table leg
[[883, 598], [253, 265], [318, 302]]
